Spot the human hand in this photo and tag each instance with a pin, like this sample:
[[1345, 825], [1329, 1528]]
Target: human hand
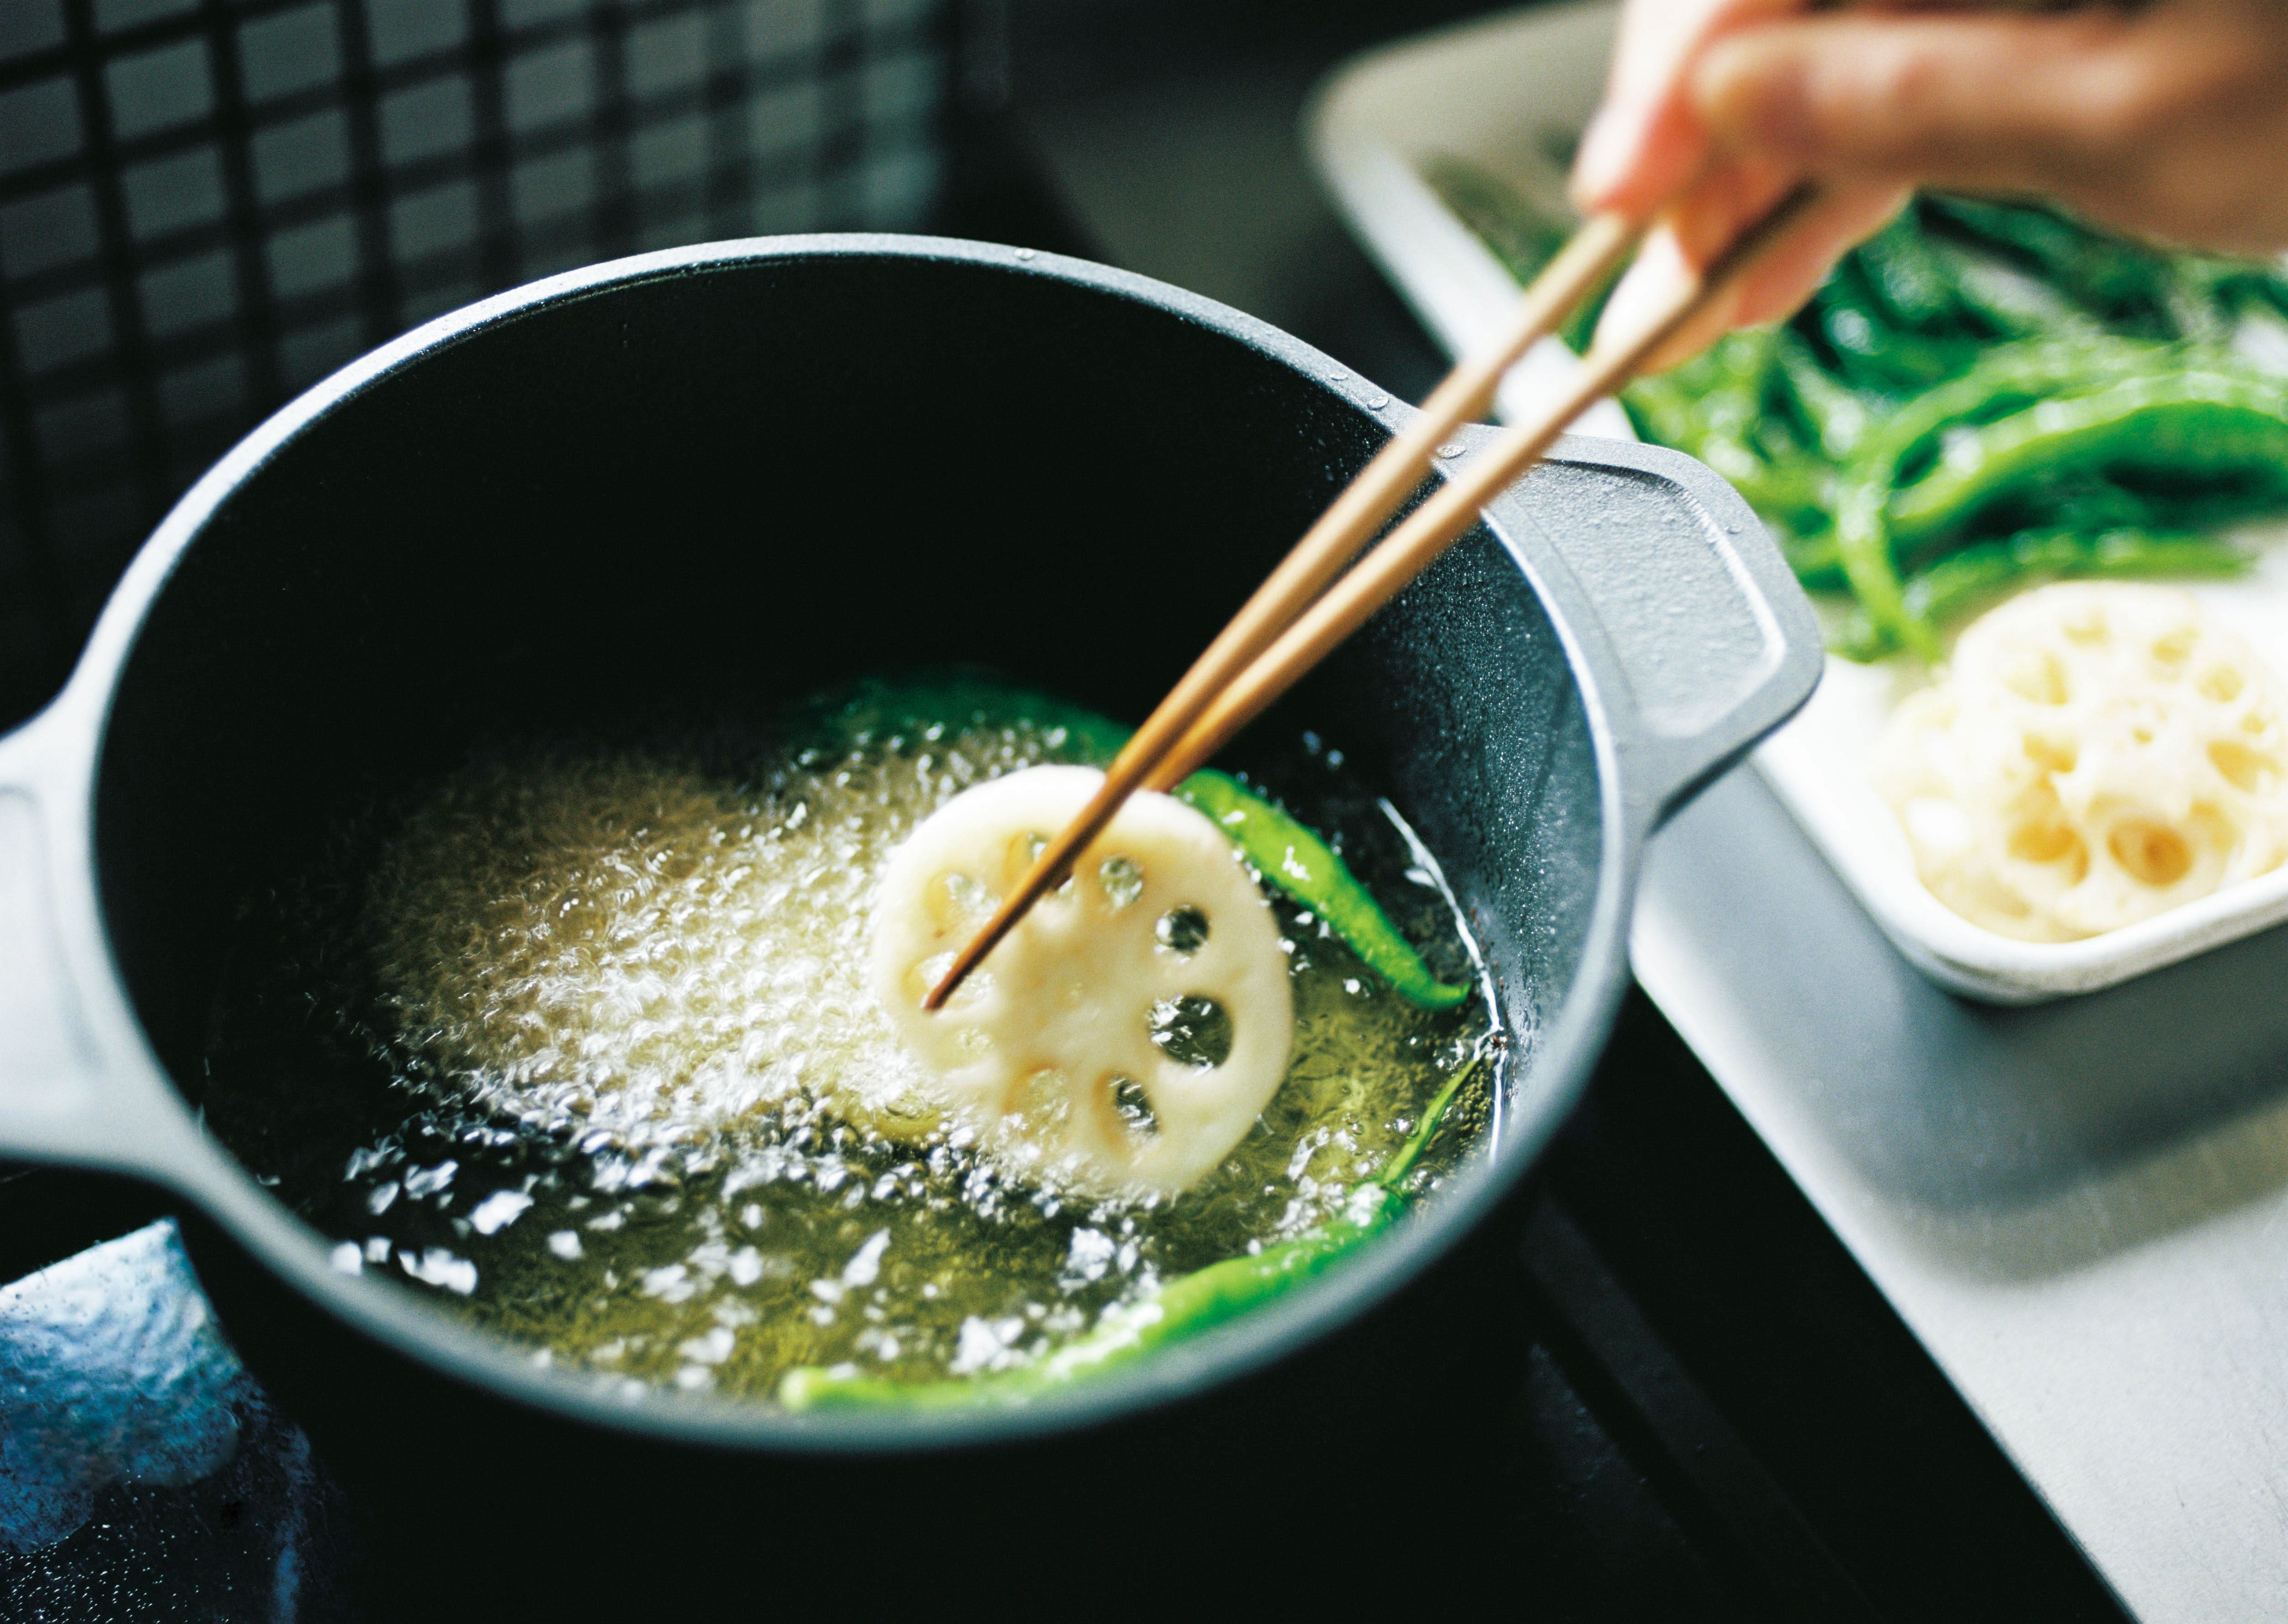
[[2168, 120]]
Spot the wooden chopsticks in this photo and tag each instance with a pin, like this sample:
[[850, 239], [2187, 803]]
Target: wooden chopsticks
[[1281, 632]]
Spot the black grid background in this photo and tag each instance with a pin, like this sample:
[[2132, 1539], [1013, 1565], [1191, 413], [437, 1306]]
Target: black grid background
[[206, 205]]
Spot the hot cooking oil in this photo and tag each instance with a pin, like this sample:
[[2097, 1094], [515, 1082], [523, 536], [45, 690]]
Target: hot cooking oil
[[579, 1041]]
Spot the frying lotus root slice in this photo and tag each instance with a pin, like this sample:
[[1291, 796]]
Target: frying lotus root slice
[[1047, 1051]]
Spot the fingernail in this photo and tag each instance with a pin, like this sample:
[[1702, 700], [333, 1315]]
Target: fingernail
[[1603, 152], [1649, 282]]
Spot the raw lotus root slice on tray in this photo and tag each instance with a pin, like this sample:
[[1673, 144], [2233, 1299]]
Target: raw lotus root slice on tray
[[1048, 1051], [2094, 754]]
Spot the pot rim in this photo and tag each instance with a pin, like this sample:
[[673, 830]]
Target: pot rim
[[198, 1168]]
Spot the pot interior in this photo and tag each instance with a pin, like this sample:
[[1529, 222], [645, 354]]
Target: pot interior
[[718, 488]]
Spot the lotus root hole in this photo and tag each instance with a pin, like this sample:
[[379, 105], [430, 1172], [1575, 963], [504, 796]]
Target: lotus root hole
[[2040, 676], [973, 1041], [2152, 853], [928, 972], [1121, 879], [2172, 648], [2051, 755], [1023, 850], [1183, 930], [2221, 684], [2250, 771], [1042, 1097], [2050, 840], [1193, 1031], [958, 896], [1133, 1106]]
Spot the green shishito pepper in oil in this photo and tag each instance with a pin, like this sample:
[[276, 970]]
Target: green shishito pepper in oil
[[1296, 861], [1290, 855], [1980, 395], [1183, 1308]]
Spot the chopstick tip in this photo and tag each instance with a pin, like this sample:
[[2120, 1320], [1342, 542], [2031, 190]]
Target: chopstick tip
[[948, 985]]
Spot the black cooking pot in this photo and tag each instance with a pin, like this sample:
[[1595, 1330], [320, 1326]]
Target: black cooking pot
[[740, 472]]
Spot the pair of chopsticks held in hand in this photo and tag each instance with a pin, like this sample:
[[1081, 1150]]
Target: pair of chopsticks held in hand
[[1296, 617]]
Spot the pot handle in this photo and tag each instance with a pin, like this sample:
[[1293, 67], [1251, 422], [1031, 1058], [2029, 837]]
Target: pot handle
[[1701, 637], [65, 1094]]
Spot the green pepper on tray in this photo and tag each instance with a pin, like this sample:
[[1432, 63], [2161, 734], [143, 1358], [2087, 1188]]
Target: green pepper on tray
[[2226, 433], [2065, 432], [1973, 576], [2120, 283], [1289, 855], [1183, 1308], [1980, 394], [1872, 347]]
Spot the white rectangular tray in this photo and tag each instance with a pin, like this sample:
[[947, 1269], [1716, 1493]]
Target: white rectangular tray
[[1510, 94]]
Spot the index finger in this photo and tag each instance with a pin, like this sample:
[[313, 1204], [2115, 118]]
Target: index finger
[[1648, 140]]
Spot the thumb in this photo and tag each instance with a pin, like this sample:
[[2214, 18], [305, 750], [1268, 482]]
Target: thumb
[[1702, 224]]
